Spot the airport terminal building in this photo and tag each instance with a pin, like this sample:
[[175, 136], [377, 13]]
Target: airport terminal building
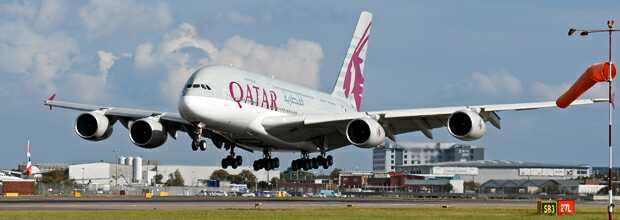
[[484, 170], [136, 171], [386, 159]]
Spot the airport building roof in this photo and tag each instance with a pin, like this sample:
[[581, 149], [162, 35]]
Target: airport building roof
[[427, 145], [498, 164]]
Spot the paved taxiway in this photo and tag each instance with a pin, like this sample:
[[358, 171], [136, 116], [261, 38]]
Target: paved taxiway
[[171, 204]]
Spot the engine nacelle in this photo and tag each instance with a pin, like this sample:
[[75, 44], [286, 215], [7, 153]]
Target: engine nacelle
[[466, 125], [365, 132], [93, 126], [147, 133]]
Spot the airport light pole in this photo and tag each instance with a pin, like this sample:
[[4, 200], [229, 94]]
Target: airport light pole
[[609, 30]]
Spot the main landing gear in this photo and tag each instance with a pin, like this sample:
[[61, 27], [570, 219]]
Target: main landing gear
[[306, 163], [232, 160], [267, 162]]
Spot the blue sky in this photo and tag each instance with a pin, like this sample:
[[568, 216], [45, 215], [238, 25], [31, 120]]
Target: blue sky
[[421, 54]]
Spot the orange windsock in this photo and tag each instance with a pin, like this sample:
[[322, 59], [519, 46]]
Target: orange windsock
[[598, 72]]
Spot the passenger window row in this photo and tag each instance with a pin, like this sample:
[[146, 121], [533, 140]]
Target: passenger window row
[[196, 86]]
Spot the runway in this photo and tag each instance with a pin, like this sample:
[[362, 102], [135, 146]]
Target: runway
[[174, 204]]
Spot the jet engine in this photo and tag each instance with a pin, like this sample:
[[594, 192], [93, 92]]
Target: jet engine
[[466, 125], [147, 133], [365, 133], [93, 126]]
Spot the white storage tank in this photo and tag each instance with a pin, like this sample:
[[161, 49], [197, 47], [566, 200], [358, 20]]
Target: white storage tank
[[122, 160], [129, 161], [137, 169]]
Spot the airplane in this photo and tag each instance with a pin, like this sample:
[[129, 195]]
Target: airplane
[[238, 109], [29, 171]]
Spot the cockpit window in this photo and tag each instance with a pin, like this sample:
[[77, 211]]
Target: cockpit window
[[203, 86]]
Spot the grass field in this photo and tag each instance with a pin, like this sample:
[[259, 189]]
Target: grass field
[[305, 213]]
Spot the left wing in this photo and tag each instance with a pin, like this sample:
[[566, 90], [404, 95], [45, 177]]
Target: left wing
[[173, 121], [329, 129]]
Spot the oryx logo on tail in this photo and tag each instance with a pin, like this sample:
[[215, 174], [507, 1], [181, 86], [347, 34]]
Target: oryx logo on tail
[[355, 64], [350, 83]]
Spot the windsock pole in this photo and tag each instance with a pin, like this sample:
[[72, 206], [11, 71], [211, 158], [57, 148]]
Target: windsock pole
[[610, 208], [586, 81]]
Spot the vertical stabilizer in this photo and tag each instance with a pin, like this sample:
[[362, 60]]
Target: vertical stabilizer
[[29, 163], [350, 83]]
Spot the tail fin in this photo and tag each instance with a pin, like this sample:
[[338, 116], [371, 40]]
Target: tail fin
[[350, 83], [29, 164]]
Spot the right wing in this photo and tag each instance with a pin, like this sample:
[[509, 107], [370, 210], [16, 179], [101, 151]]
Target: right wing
[[329, 129]]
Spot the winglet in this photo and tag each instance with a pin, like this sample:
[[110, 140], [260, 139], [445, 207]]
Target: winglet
[[51, 98]]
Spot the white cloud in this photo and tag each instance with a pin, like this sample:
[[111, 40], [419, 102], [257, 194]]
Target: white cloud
[[496, 84], [42, 16], [185, 36], [102, 17], [43, 57], [89, 88], [143, 57], [297, 61], [51, 13], [106, 61]]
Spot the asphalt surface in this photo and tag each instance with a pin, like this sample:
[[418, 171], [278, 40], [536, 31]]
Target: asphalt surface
[[172, 204]]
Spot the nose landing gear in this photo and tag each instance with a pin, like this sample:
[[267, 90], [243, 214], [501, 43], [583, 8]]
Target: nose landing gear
[[198, 140]]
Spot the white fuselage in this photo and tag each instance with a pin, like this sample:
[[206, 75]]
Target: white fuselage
[[233, 102]]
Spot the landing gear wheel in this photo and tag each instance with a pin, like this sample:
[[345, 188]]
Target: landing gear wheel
[[256, 165], [315, 163], [307, 164], [225, 163], [294, 165], [238, 160], [322, 162], [194, 146], [330, 160], [202, 145], [276, 162]]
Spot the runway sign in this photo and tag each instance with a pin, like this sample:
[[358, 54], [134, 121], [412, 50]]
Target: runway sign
[[566, 207], [560, 207], [547, 207]]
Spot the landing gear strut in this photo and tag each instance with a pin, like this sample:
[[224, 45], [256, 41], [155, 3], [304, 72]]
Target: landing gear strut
[[232, 160], [306, 163], [267, 162]]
